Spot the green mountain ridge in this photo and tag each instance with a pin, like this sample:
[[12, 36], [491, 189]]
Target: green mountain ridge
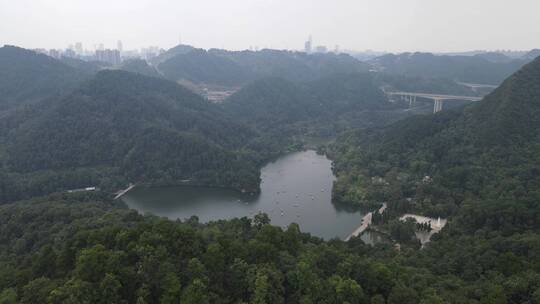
[[237, 68], [474, 69], [140, 66], [274, 103], [28, 77], [129, 127]]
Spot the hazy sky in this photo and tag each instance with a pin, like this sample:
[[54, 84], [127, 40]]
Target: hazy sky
[[392, 25]]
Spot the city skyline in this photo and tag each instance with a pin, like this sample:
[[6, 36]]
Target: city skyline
[[387, 25]]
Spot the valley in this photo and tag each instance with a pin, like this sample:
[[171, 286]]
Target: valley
[[308, 178]]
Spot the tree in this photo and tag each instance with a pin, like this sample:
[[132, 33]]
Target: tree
[[237, 281], [401, 294], [266, 286], [261, 293], [45, 263], [91, 264], [8, 296], [172, 290], [347, 291], [110, 289], [195, 293], [37, 291], [196, 270], [378, 299], [495, 295], [261, 219], [75, 291]]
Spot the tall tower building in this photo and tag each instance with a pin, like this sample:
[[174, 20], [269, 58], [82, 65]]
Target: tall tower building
[[308, 45], [119, 46]]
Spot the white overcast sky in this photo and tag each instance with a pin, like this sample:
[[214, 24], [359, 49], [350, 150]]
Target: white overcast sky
[[391, 25]]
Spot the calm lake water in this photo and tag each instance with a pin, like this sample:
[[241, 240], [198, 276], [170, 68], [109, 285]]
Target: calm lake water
[[295, 188]]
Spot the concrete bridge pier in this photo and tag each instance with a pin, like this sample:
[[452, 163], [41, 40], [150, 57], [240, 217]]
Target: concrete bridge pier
[[412, 101], [437, 105]]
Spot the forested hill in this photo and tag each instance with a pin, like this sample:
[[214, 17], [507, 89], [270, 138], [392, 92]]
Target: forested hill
[[326, 105], [168, 54], [26, 76], [488, 150], [511, 115], [122, 127], [200, 66], [474, 69], [140, 66], [270, 103], [507, 116], [83, 249], [229, 68]]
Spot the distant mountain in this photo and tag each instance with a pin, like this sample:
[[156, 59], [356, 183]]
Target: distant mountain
[[494, 57], [228, 68], [140, 66], [398, 82], [285, 107], [270, 103], [532, 54], [123, 127], [482, 68], [177, 50], [294, 66], [88, 67], [27, 77], [200, 66]]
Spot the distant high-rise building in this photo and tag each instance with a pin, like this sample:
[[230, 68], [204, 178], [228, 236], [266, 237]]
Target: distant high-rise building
[[110, 56], [336, 49], [101, 47], [321, 49], [55, 53], [41, 51], [150, 52], [308, 45], [119, 46], [79, 48], [69, 53]]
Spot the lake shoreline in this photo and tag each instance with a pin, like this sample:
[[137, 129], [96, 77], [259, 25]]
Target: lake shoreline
[[295, 188]]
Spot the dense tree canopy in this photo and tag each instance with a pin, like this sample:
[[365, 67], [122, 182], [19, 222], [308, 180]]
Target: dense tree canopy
[[123, 127]]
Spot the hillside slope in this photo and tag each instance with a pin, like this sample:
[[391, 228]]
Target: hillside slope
[[27, 77], [325, 106], [122, 127], [487, 150]]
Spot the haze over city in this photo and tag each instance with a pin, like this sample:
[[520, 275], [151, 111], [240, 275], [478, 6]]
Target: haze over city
[[387, 25]]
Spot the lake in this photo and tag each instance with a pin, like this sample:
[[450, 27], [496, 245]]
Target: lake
[[295, 188]]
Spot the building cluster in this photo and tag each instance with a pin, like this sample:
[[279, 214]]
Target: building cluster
[[310, 48], [112, 56]]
